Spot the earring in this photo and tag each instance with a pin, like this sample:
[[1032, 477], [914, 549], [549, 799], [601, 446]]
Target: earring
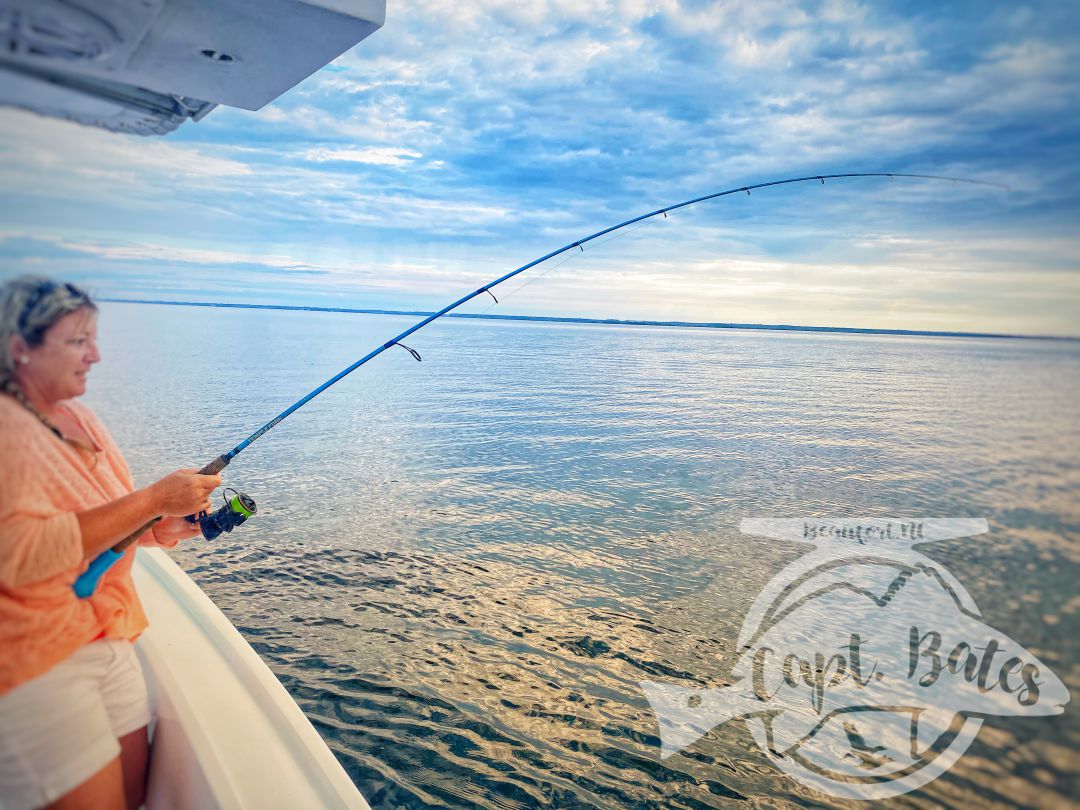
[[24, 359]]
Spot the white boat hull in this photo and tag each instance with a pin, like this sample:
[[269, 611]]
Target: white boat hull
[[228, 734]]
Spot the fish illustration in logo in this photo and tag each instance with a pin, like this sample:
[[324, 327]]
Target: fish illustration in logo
[[867, 756], [862, 667]]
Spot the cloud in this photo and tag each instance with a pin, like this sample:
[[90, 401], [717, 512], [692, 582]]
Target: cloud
[[469, 137], [374, 155]]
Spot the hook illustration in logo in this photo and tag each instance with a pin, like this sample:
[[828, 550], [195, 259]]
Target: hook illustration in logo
[[865, 669]]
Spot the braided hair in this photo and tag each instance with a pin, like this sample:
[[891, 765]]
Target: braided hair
[[29, 306]]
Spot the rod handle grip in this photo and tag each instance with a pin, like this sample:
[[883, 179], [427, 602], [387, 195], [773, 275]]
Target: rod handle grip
[[213, 468], [216, 466]]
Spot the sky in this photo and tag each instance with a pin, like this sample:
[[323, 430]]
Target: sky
[[463, 140]]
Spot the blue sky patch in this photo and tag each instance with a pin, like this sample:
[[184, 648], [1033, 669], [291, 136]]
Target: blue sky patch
[[463, 140]]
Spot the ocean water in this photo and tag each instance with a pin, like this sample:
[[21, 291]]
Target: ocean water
[[462, 568]]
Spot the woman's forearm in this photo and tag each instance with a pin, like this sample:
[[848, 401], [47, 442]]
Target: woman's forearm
[[104, 526]]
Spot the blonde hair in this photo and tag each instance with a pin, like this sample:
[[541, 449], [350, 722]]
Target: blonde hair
[[29, 306]]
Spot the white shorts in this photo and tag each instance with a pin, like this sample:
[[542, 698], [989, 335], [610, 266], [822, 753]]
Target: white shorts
[[59, 729]]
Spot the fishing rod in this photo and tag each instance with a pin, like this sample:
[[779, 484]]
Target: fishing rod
[[240, 507]]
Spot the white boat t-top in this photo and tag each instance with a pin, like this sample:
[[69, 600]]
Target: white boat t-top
[[146, 66]]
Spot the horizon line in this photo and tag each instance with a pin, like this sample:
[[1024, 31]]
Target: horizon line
[[602, 321]]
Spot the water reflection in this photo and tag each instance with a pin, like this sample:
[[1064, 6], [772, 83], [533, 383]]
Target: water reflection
[[462, 568]]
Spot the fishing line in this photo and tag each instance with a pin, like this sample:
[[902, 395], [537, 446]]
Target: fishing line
[[224, 459], [503, 297], [241, 508]]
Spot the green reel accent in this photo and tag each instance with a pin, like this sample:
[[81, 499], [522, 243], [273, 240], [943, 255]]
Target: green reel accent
[[242, 504]]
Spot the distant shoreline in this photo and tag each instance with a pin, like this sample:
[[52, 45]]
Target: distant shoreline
[[602, 321]]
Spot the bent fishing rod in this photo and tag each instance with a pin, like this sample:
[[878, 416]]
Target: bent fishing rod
[[239, 506]]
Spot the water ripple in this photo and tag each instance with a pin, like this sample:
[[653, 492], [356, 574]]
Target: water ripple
[[461, 569]]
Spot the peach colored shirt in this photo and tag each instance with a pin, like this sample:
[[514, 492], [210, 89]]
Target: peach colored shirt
[[44, 483]]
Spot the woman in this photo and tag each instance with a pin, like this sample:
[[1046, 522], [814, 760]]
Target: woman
[[73, 702]]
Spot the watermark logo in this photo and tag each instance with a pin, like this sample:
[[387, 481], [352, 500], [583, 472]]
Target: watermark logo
[[864, 668]]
